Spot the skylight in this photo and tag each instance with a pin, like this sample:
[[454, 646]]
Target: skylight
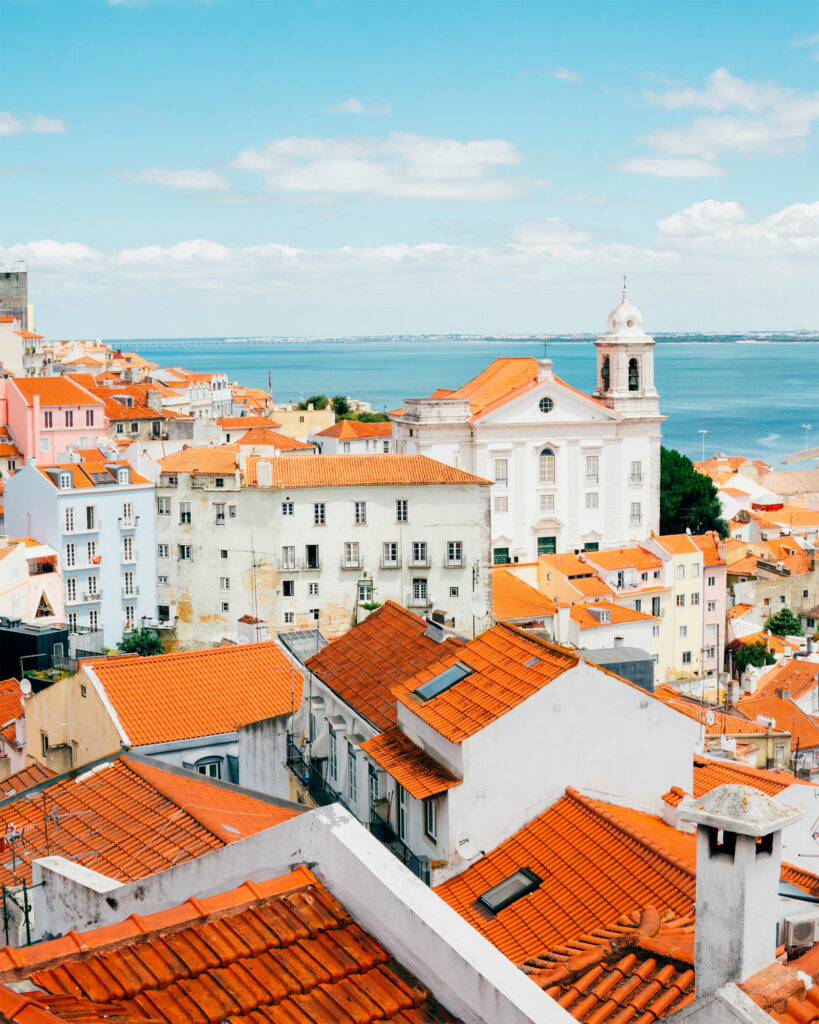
[[521, 883], [531, 663], [449, 677]]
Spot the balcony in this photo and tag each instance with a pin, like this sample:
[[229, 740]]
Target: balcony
[[454, 563], [351, 563], [309, 773], [130, 591], [390, 563], [420, 563], [85, 598], [128, 524], [418, 601], [312, 565], [385, 834]]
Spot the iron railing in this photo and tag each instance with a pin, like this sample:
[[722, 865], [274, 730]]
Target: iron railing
[[309, 772], [385, 834]]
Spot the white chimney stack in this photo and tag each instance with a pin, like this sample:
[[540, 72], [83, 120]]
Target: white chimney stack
[[739, 859]]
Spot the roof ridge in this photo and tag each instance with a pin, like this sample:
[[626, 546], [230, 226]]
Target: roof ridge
[[591, 805]]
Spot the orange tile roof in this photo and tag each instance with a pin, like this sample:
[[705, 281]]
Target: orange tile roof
[[722, 723], [788, 716], [795, 675], [198, 693], [282, 951], [502, 376], [512, 598], [677, 543], [625, 558], [127, 820], [273, 439], [775, 644], [11, 702], [641, 967], [81, 471], [618, 614], [356, 430], [788, 992], [53, 391], [221, 460], [240, 422], [739, 610], [363, 470], [708, 543], [364, 665], [31, 775], [597, 861], [413, 768], [501, 679], [743, 566], [591, 586], [710, 773], [569, 564]]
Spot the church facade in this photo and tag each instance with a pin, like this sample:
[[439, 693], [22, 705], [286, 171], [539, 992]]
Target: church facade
[[569, 470]]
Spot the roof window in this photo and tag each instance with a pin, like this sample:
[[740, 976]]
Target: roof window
[[449, 677], [531, 663], [521, 883], [65, 481]]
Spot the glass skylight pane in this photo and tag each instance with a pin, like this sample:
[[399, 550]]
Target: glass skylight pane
[[443, 681], [531, 663], [521, 883]]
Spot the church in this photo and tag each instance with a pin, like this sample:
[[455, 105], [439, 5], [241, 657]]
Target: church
[[569, 470]]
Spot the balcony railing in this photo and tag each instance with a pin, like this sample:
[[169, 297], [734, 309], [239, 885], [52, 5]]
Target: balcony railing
[[384, 833], [128, 524], [351, 563], [418, 601], [130, 591], [420, 563], [310, 774], [390, 563]]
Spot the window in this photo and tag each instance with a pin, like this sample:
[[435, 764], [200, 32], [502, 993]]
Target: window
[[93, 585], [635, 513], [546, 545], [804, 593], [656, 574], [127, 549], [686, 658], [128, 583], [635, 475], [365, 591], [419, 591], [680, 572], [633, 375], [711, 606], [231, 511], [70, 555], [287, 508], [501, 504], [184, 512], [809, 622], [401, 793], [163, 506], [419, 552], [502, 472], [219, 481], [352, 782], [162, 580], [319, 513], [545, 404], [711, 629], [289, 618], [219, 508], [712, 581], [546, 467], [431, 819], [72, 622], [605, 374], [453, 591], [385, 446], [71, 589], [288, 588], [695, 598], [127, 512], [681, 600], [655, 606], [360, 512], [120, 428], [655, 630], [351, 560], [695, 569], [500, 556], [94, 619], [547, 503], [638, 605], [402, 510], [173, 480], [312, 589], [454, 552], [389, 554], [223, 552], [781, 598], [288, 557], [44, 743], [90, 517], [89, 417], [315, 614], [592, 469], [134, 426], [209, 768], [345, 447], [184, 553], [130, 617], [162, 551], [683, 631], [224, 582], [312, 556], [333, 755], [521, 883], [69, 417], [65, 481], [68, 520], [48, 419], [592, 499]]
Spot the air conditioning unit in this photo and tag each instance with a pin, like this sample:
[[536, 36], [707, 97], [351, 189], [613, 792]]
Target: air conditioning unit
[[801, 929]]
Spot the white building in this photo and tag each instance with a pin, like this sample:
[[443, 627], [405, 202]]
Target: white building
[[31, 584], [310, 542], [351, 437], [99, 516], [570, 470]]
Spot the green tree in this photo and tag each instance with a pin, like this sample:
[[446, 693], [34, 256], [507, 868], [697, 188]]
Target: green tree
[[317, 401], [784, 623], [688, 499], [756, 654], [143, 642], [341, 407]]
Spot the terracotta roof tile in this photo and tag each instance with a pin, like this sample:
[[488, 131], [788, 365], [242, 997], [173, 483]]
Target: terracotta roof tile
[[198, 693], [81, 472], [273, 439], [413, 768], [708, 543], [710, 773], [677, 543], [53, 391], [128, 820], [219, 460], [279, 951], [743, 566], [503, 675], [248, 422], [788, 716], [739, 610], [31, 775], [364, 665], [358, 470], [721, 724], [512, 598], [356, 430], [583, 615], [800, 677], [11, 702], [625, 558]]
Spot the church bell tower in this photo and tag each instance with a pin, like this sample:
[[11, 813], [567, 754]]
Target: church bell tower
[[625, 364]]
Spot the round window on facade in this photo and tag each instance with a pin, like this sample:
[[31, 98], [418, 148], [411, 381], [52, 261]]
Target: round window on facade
[[546, 405]]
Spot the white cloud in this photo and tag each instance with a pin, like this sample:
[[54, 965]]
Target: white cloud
[[566, 75], [402, 165], [48, 253], [197, 250], [662, 167], [192, 179], [354, 106], [806, 40], [723, 226], [723, 91], [37, 124]]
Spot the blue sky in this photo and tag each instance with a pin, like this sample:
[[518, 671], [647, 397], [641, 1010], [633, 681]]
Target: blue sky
[[227, 167]]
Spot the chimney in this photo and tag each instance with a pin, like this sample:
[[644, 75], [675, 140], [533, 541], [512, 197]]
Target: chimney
[[153, 399], [544, 370], [619, 641], [264, 473], [739, 859], [784, 693], [435, 631]]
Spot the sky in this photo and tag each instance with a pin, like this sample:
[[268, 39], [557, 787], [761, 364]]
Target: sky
[[186, 168]]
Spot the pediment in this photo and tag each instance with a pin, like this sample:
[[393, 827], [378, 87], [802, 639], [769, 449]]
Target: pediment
[[567, 406]]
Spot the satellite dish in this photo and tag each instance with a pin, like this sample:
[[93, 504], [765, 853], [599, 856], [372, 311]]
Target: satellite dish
[[465, 846], [479, 609], [25, 686], [710, 718]]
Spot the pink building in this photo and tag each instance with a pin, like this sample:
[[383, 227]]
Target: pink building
[[47, 415]]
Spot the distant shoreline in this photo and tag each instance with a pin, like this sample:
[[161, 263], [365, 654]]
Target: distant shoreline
[[678, 339]]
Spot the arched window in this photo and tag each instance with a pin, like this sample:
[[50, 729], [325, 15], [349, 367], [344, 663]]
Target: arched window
[[633, 375], [546, 466], [605, 374]]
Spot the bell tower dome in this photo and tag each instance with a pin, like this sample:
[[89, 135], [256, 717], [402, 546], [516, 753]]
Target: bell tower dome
[[625, 364]]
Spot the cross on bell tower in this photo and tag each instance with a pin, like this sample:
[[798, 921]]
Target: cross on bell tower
[[625, 364]]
